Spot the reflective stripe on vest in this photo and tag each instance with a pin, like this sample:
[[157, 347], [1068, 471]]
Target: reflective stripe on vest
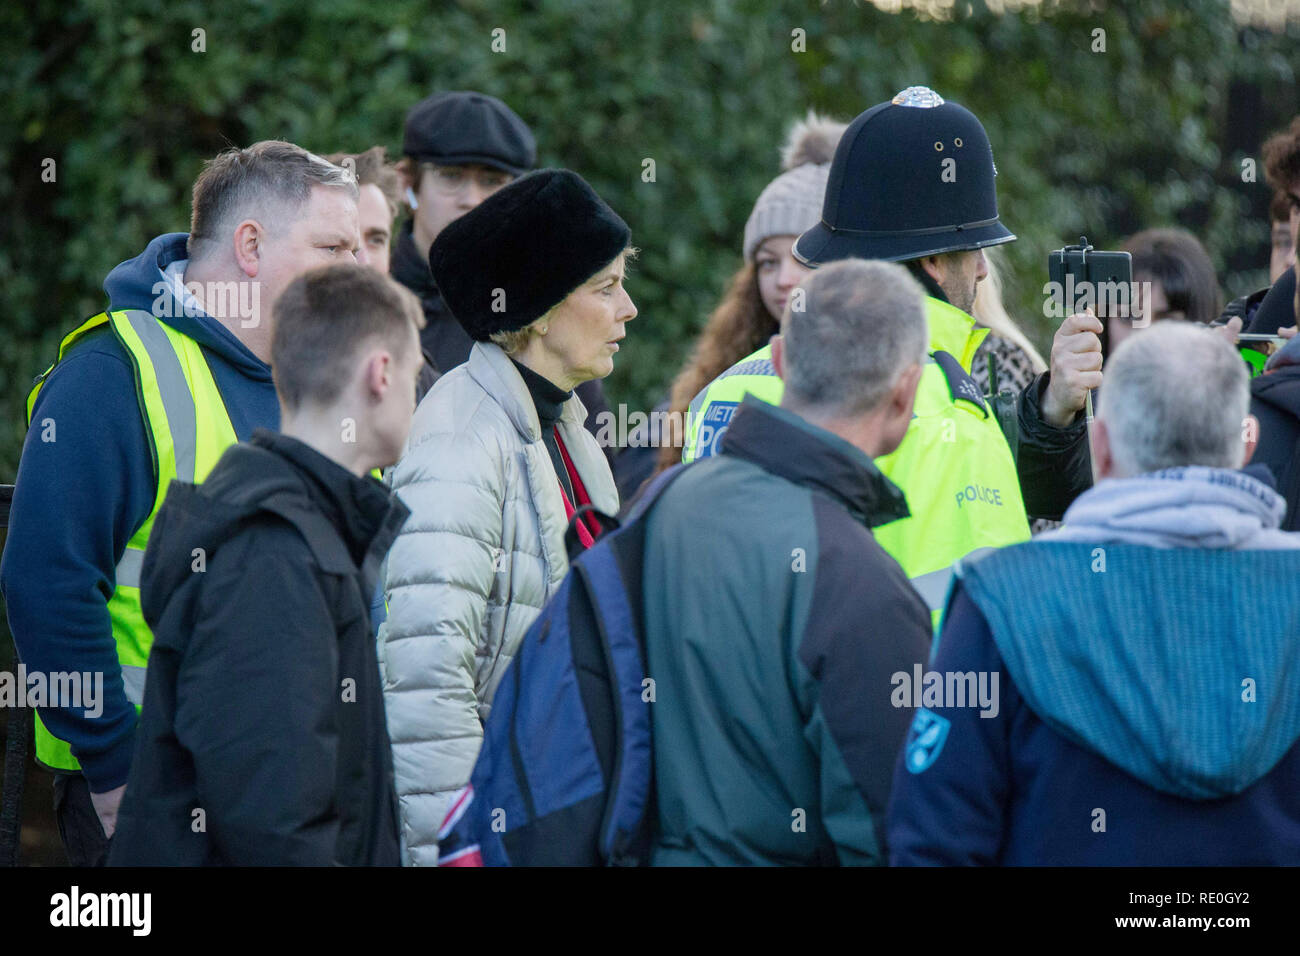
[[954, 465], [710, 412], [188, 428]]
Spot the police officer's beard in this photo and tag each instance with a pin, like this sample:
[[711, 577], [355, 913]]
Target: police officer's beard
[[964, 298]]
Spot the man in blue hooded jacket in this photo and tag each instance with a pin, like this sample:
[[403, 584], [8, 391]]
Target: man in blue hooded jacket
[[1148, 701], [175, 370]]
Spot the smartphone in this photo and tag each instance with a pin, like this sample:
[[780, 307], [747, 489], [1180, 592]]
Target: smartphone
[[1269, 343], [1080, 277]]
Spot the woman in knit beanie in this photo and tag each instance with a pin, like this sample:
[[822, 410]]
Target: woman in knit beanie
[[750, 311]]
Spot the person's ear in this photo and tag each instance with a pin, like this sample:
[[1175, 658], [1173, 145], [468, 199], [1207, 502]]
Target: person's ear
[[934, 268], [248, 240], [895, 414], [778, 356], [1103, 461], [903, 398], [409, 174], [1249, 437], [379, 374]]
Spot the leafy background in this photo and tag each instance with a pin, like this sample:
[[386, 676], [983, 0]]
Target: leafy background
[[1151, 132]]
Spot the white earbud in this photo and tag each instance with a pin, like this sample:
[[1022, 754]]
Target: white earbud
[[410, 198]]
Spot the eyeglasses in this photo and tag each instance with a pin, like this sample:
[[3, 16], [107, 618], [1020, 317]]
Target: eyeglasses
[[454, 180]]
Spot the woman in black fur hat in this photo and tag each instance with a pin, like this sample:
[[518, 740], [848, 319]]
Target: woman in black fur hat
[[497, 462]]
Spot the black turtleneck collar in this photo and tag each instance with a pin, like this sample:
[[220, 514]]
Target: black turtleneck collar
[[783, 443], [548, 397]]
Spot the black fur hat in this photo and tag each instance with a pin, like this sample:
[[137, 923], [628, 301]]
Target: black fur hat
[[520, 252]]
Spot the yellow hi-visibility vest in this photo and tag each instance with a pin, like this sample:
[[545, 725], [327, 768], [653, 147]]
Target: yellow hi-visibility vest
[[188, 428], [953, 465]]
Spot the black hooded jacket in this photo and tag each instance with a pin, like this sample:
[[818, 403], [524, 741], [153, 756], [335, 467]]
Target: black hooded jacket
[[445, 343], [263, 738], [1275, 401], [1276, 307]]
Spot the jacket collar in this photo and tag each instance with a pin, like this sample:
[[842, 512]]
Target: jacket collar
[[784, 444], [953, 331], [364, 513], [492, 369], [410, 268]]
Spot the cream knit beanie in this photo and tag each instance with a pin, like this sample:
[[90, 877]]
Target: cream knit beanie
[[792, 203]]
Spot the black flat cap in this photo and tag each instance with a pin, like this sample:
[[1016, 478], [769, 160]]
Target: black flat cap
[[465, 127], [520, 252]]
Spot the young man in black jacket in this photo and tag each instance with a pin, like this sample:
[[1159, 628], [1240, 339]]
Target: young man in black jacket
[[263, 738]]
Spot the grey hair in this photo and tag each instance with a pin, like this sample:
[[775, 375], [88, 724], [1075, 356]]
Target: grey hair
[[1175, 394], [861, 326], [267, 181]]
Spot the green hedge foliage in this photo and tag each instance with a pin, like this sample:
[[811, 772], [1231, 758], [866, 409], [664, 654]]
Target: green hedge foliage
[[1153, 131]]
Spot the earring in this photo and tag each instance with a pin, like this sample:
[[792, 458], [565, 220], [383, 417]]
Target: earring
[[542, 329]]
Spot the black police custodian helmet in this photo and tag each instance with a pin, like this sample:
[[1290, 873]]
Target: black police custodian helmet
[[893, 195]]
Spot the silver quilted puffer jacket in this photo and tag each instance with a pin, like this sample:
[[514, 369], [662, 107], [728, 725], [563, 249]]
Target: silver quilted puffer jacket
[[475, 562]]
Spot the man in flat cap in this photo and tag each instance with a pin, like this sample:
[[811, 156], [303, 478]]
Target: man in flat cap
[[459, 148]]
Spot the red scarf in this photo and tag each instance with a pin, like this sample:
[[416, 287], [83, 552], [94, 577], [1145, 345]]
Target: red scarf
[[588, 527]]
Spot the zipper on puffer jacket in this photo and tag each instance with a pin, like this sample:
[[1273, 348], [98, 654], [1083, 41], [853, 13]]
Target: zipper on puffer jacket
[[516, 757]]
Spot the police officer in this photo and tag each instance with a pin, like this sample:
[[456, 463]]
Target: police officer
[[913, 182]]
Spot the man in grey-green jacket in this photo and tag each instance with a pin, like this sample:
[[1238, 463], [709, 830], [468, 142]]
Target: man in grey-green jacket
[[774, 622]]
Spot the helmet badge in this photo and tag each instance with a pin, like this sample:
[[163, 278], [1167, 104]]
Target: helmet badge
[[919, 96]]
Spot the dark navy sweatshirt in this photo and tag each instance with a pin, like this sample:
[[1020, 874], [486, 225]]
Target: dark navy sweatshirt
[[78, 500], [1009, 789]]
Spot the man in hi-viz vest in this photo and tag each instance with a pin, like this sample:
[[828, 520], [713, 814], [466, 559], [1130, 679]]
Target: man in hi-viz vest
[[157, 386]]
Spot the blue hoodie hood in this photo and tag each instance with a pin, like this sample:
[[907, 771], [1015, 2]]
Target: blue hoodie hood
[[1173, 663], [77, 503], [243, 379], [1187, 507], [141, 283]]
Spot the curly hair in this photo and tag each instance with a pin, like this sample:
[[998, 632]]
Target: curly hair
[[738, 326], [1282, 157], [372, 168]]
